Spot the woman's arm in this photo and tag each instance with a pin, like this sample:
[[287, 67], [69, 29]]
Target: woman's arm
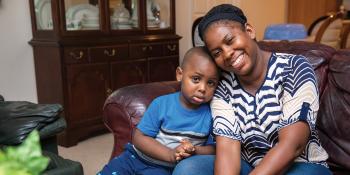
[[228, 156], [152, 147], [292, 142]]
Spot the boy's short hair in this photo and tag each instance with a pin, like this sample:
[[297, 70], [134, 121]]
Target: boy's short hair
[[200, 50]]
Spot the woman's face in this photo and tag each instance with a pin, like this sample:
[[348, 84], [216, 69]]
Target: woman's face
[[232, 47]]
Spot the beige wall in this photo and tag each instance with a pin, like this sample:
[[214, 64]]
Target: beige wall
[[259, 13], [17, 76], [262, 13]]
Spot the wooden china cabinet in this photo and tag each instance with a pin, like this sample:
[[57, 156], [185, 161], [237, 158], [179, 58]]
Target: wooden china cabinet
[[86, 49]]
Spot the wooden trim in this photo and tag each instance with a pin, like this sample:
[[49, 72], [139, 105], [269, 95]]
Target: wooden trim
[[344, 35], [331, 18]]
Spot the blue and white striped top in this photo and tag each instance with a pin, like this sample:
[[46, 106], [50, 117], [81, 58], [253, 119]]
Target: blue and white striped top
[[288, 94]]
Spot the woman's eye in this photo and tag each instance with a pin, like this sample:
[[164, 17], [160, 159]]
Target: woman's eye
[[215, 54], [229, 41]]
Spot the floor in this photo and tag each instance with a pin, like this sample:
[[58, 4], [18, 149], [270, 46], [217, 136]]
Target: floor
[[92, 153]]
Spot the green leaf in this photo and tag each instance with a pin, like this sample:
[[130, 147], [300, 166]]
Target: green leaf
[[25, 159]]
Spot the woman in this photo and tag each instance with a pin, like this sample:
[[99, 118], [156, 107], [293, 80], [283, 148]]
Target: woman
[[264, 108]]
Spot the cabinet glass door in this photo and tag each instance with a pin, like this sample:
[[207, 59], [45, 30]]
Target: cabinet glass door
[[82, 15], [124, 14], [158, 14], [43, 14]]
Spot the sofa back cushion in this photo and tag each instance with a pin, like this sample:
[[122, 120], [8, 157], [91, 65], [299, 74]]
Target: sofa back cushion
[[334, 114]]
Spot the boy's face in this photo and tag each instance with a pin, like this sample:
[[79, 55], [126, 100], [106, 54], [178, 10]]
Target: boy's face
[[199, 78]]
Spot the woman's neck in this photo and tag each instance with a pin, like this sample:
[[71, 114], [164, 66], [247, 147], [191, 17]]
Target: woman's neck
[[252, 82]]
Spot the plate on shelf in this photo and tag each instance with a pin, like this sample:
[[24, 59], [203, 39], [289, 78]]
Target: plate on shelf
[[44, 15], [87, 26], [121, 26], [82, 10]]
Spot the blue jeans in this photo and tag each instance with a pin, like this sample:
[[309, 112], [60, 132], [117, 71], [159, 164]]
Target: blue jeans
[[204, 165], [130, 163]]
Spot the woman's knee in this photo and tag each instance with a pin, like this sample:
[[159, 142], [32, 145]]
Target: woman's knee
[[198, 164]]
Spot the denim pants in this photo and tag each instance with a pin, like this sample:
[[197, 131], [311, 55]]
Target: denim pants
[[129, 163], [204, 165]]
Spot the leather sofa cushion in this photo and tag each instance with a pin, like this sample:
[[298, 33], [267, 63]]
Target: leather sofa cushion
[[334, 113], [19, 118]]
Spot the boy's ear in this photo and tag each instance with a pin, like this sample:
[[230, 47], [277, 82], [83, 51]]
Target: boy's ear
[[178, 74]]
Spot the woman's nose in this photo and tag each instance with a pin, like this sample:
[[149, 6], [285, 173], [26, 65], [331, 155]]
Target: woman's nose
[[227, 52]]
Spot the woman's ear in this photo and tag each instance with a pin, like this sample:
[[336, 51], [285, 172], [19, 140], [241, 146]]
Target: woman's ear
[[250, 30], [178, 74]]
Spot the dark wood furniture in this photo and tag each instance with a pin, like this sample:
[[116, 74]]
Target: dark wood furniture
[[82, 54], [305, 12], [345, 39]]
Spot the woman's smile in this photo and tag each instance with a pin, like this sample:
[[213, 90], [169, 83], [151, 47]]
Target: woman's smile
[[238, 62]]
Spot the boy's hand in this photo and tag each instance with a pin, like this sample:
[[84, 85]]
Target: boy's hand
[[184, 150]]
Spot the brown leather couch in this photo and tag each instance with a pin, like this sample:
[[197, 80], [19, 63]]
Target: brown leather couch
[[124, 107]]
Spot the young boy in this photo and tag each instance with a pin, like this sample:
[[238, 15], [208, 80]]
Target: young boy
[[175, 126]]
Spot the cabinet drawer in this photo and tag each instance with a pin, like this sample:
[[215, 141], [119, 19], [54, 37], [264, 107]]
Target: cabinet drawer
[[75, 55], [110, 53], [170, 49], [145, 50]]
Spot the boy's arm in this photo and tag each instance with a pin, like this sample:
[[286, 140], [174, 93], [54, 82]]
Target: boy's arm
[[152, 147]]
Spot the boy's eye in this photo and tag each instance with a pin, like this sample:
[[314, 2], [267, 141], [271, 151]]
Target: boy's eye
[[212, 83], [195, 79]]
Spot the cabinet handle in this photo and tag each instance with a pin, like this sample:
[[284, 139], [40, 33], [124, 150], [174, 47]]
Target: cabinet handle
[[144, 48], [139, 71], [150, 47], [106, 52], [78, 57], [172, 48], [109, 91]]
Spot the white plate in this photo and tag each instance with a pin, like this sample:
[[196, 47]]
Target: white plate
[[44, 15], [90, 26], [81, 10]]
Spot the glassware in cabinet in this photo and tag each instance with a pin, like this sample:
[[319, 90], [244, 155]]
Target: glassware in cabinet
[[124, 14], [158, 14], [82, 15], [43, 14]]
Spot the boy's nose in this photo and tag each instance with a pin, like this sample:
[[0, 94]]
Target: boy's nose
[[202, 87]]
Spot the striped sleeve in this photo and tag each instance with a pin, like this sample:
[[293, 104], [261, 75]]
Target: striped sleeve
[[300, 97]]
